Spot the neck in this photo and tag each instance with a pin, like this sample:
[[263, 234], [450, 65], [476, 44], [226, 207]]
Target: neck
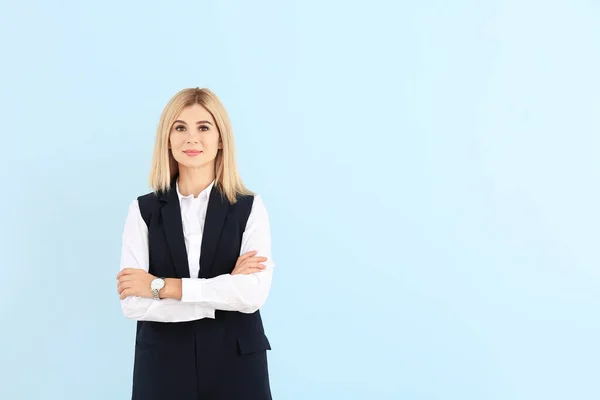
[[194, 180]]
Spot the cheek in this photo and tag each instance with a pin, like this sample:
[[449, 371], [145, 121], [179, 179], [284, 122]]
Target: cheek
[[174, 141], [212, 141]]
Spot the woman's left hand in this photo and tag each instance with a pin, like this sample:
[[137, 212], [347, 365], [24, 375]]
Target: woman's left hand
[[134, 282]]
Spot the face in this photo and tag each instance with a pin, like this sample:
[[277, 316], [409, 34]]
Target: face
[[194, 139]]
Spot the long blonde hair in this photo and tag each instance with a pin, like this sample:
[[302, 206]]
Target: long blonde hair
[[165, 168]]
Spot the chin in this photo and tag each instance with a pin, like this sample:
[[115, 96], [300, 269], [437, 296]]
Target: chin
[[189, 164], [193, 163]]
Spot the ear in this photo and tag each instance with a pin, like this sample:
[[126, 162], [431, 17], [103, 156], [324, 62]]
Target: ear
[[220, 144]]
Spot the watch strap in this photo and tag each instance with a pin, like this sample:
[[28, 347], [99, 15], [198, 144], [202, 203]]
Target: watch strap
[[156, 292]]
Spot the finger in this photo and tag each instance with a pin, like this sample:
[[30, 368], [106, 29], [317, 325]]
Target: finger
[[123, 272], [245, 256], [126, 271], [251, 270], [252, 267], [253, 262], [127, 278], [130, 291], [249, 254], [256, 258], [123, 286], [260, 259], [249, 262]]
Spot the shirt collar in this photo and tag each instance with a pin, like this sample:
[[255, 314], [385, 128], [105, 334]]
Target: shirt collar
[[203, 194]]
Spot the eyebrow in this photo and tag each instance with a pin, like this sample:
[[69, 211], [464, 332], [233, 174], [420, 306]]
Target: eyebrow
[[197, 122]]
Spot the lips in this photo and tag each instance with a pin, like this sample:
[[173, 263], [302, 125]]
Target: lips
[[192, 152]]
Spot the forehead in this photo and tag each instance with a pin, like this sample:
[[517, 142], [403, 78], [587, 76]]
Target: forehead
[[195, 112]]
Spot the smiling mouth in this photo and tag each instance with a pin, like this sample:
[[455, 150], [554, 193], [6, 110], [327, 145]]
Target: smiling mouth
[[193, 152]]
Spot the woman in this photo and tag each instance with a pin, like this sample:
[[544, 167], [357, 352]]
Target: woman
[[196, 264]]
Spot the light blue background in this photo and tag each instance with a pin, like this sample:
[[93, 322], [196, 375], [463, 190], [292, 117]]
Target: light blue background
[[431, 172]]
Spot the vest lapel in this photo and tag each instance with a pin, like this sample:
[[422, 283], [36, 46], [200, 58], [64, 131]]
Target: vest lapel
[[171, 218], [218, 206]]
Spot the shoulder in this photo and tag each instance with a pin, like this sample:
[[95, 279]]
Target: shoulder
[[147, 204], [151, 196], [258, 218], [257, 207], [251, 201], [257, 201], [242, 206], [248, 207], [147, 200], [244, 199]]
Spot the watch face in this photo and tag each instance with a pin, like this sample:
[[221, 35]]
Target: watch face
[[157, 284]]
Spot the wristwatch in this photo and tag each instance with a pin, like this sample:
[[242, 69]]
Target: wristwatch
[[155, 286]]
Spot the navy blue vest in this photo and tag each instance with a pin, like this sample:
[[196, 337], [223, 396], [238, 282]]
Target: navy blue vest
[[221, 358]]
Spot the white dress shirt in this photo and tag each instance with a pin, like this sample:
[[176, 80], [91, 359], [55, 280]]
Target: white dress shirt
[[200, 297]]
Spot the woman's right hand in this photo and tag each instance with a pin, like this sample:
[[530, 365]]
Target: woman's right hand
[[248, 263]]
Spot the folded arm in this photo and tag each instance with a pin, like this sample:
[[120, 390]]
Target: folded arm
[[134, 254], [245, 293]]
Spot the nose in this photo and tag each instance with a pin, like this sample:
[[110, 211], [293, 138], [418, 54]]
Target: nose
[[192, 138]]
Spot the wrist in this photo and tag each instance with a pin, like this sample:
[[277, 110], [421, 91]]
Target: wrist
[[172, 289]]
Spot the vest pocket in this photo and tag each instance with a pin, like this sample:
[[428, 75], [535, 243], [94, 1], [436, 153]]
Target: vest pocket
[[252, 343]]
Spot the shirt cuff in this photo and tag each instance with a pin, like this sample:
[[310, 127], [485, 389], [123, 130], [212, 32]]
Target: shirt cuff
[[191, 290], [169, 310]]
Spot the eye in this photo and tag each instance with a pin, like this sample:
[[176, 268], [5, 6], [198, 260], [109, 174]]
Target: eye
[[179, 126], [203, 128]]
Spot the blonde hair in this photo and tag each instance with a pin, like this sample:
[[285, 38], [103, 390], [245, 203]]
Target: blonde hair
[[165, 168]]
